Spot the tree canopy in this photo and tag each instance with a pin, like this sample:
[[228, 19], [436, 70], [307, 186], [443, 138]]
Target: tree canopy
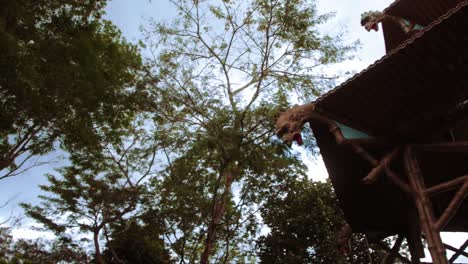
[[173, 157], [66, 75], [225, 70], [304, 223]]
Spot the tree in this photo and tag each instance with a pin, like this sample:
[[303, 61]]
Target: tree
[[225, 69], [131, 242], [66, 75], [84, 202], [40, 250], [304, 219], [97, 190]]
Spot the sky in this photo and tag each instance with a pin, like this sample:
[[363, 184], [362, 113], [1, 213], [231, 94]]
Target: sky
[[130, 15]]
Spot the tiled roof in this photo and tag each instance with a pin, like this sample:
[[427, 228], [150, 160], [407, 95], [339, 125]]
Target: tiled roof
[[411, 89], [421, 12]]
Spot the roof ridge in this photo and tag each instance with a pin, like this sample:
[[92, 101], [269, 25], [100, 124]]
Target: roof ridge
[[400, 47], [392, 5]]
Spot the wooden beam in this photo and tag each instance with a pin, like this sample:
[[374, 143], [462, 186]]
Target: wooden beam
[[458, 252], [391, 175], [452, 248], [424, 207], [460, 146], [452, 207], [384, 162], [357, 148], [446, 186]]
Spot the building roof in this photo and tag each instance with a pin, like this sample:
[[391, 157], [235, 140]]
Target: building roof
[[422, 12], [381, 209], [412, 89], [405, 97]]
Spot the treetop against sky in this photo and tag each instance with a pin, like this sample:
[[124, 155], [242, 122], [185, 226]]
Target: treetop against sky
[[129, 16]]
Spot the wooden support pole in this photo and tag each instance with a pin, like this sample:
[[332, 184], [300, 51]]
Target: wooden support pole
[[454, 249], [377, 170], [461, 146], [398, 182], [391, 175], [452, 207], [446, 186], [414, 236], [424, 207], [355, 145], [458, 252]]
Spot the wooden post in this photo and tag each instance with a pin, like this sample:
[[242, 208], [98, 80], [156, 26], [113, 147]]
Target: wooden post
[[447, 186], [424, 207]]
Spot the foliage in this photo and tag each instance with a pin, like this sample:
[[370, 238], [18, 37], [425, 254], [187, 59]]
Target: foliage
[[136, 243], [225, 69], [29, 251], [65, 74], [222, 72], [304, 220], [97, 190]]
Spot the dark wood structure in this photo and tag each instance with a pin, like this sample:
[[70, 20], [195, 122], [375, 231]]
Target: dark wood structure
[[409, 175]]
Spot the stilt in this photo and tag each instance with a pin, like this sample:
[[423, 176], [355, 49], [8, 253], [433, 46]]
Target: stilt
[[424, 208]]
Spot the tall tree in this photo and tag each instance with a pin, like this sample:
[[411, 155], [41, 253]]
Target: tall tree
[[65, 74], [136, 242], [97, 190], [225, 69], [304, 221], [46, 251]]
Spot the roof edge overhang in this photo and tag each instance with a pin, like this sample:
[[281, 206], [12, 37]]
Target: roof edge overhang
[[321, 102]]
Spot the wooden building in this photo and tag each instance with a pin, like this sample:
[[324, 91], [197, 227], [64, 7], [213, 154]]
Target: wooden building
[[394, 138]]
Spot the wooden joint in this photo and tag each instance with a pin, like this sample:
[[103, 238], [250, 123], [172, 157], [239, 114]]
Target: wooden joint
[[452, 207], [383, 164]]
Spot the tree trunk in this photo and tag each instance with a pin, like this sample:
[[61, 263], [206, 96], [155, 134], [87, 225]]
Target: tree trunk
[[114, 254], [218, 213], [99, 257]]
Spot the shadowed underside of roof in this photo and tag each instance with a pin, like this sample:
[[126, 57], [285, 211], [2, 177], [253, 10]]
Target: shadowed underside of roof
[[381, 208], [413, 89]]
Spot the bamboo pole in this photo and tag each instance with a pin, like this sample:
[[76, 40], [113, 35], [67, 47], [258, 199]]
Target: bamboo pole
[[447, 186], [390, 174], [424, 208], [452, 207], [355, 145], [377, 170], [452, 248]]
